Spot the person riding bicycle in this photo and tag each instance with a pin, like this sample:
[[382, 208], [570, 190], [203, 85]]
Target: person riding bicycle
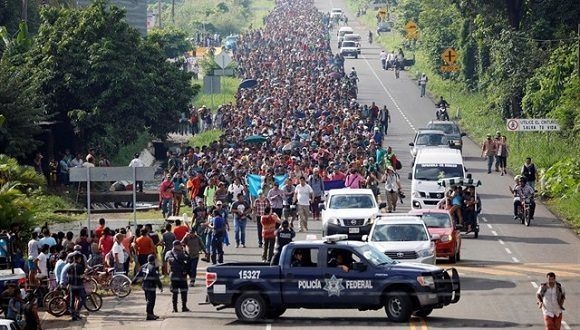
[[522, 191]]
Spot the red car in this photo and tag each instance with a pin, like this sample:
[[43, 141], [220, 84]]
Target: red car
[[440, 222]]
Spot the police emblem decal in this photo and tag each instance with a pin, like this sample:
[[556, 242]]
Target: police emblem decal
[[333, 286]]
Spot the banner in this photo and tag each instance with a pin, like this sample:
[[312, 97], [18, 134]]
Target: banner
[[333, 184], [255, 182]]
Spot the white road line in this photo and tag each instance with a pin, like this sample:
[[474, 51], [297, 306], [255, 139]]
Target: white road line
[[501, 242], [508, 251], [494, 233], [534, 284], [268, 327], [390, 96], [516, 260], [489, 226], [565, 325], [484, 219]]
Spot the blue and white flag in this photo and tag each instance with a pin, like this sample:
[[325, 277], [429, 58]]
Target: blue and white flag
[[255, 182]]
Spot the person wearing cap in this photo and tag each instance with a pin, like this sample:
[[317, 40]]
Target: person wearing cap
[[497, 139], [316, 182], [422, 82], [276, 198], [119, 254], [75, 275], [392, 188], [488, 151], [179, 269], [284, 235], [218, 229], [194, 246], [151, 281], [137, 162]]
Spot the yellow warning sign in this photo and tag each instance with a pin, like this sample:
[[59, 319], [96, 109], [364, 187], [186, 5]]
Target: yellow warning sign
[[449, 55]]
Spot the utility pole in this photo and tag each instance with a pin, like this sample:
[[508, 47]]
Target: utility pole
[[25, 10], [578, 49], [173, 12], [159, 13]]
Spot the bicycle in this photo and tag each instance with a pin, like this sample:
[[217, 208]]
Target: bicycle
[[58, 306], [106, 278]]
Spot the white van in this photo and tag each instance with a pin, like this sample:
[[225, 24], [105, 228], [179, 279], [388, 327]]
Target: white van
[[342, 31], [432, 164]]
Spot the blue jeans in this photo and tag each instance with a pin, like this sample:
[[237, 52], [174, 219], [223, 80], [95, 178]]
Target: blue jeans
[[240, 231], [217, 250], [76, 292], [193, 269], [166, 207], [422, 90], [489, 163]]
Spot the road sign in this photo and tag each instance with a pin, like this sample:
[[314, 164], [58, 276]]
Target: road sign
[[108, 174], [532, 125], [411, 29], [383, 12], [212, 85], [223, 60], [450, 68], [449, 56]]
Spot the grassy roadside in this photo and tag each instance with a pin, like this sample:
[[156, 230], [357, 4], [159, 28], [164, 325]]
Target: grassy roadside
[[470, 110]]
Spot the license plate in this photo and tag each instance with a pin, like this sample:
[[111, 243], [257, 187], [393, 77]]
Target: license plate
[[353, 230]]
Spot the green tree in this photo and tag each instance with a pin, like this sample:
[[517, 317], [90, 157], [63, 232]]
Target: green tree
[[102, 78], [171, 40]]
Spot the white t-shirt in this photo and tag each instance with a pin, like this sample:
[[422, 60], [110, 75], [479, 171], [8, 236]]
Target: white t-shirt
[[303, 194], [42, 265], [32, 249], [118, 248]]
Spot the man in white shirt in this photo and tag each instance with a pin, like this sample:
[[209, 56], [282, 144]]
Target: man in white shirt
[[303, 196], [41, 262], [383, 58], [551, 297], [118, 252], [33, 251], [136, 162]]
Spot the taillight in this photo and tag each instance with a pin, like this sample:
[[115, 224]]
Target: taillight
[[210, 279]]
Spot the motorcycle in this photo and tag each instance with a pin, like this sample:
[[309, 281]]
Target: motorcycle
[[523, 214], [442, 114]]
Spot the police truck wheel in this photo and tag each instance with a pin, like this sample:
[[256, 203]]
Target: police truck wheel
[[398, 306], [250, 307]]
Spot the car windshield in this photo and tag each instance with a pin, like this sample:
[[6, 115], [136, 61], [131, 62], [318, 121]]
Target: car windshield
[[407, 232], [374, 256], [447, 128], [359, 201], [431, 140], [436, 220], [434, 172], [348, 44]]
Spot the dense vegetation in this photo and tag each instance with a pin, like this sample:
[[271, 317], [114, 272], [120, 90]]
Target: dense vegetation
[[518, 59]]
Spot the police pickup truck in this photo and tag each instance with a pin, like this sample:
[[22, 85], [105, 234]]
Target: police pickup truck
[[333, 273]]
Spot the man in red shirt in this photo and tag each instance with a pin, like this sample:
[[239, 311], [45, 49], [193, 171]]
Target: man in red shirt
[[144, 246], [165, 197], [269, 221], [100, 228], [180, 230]]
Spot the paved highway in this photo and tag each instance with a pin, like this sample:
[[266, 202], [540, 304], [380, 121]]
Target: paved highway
[[500, 270]]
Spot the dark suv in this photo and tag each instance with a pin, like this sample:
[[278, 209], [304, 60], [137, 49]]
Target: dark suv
[[454, 134]]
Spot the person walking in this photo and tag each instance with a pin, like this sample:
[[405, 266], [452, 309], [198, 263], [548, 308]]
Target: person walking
[[488, 151], [284, 235], [316, 182], [384, 119], [179, 269], [303, 195], [258, 209], [269, 221], [218, 227], [240, 210], [551, 297], [502, 154], [137, 162], [166, 196], [77, 294], [151, 281], [422, 84], [392, 188], [276, 198], [194, 247]]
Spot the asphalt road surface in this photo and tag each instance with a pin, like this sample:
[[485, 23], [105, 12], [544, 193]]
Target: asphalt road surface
[[500, 271]]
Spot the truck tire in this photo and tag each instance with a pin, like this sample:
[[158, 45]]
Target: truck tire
[[250, 307], [275, 312], [423, 312], [398, 306]]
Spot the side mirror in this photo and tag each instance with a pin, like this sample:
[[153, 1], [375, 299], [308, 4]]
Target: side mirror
[[410, 177], [365, 238], [435, 237], [382, 205], [411, 144], [359, 266], [463, 134], [321, 206]]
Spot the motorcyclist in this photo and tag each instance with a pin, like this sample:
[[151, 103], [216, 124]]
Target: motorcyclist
[[353, 75], [522, 191], [441, 105]]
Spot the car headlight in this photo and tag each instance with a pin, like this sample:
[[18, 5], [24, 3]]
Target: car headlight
[[426, 252], [445, 238], [426, 281], [333, 221]]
